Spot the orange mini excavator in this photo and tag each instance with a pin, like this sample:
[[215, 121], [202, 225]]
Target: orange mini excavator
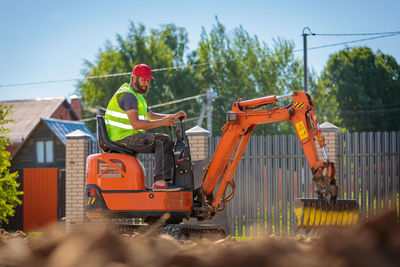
[[115, 183]]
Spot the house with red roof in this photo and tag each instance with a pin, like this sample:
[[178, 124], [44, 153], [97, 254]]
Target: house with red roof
[[38, 143]]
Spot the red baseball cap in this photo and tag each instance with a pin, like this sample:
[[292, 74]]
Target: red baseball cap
[[143, 71]]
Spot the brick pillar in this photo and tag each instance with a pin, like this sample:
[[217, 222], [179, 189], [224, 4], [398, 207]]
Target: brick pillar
[[77, 150], [198, 140], [331, 134]]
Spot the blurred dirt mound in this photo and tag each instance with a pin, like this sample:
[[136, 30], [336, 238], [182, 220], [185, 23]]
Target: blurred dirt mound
[[376, 243]]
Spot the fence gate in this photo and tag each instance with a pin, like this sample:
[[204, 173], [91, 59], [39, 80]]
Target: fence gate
[[40, 197]]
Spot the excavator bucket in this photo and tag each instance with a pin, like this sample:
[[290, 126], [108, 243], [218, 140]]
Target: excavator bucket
[[317, 213]]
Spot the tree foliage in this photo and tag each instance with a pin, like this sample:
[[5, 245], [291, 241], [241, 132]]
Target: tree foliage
[[324, 100], [243, 67], [235, 64], [367, 89], [8, 185]]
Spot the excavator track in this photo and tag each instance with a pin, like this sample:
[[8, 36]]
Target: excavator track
[[122, 226], [313, 214], [194, 231], [178, 231]]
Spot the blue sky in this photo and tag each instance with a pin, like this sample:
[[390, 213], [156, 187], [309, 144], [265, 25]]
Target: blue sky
[[48, 40]]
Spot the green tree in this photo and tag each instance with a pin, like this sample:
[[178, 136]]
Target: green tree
[[367, 89], [243, 67], [324, 100], [8, 185]]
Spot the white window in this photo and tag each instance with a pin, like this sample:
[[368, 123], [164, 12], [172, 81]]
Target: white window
[[44, 152], [49, 151], [40, 152]]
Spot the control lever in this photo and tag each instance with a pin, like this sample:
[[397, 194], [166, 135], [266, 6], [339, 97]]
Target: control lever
[[183, 162]]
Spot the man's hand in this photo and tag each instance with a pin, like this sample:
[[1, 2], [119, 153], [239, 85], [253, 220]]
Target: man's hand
[[168, 120], [179, 115]]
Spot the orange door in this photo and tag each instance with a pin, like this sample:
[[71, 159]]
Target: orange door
[[40, 197]]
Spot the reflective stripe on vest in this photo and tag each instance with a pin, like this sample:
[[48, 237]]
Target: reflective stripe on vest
[[116, 119], [122, 115], [118, 124]]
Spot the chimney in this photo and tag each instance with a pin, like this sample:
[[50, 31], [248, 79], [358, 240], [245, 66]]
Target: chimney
[[76, 105]]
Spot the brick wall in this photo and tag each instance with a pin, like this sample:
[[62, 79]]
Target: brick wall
[[77, 150], [198, 147], [64, 112], [76, 105], [198, 140]]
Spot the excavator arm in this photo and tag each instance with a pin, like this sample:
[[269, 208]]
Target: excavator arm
[[241, 121]]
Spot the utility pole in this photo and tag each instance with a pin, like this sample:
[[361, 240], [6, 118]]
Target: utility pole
[[201, 117], [305, 54], [211, 96]]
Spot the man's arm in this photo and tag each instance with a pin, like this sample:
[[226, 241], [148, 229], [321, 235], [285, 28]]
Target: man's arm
[[165, 120], [130, 105], [157, 116]]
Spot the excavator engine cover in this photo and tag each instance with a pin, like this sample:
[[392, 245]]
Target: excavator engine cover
[[116, 188], [316, 213]]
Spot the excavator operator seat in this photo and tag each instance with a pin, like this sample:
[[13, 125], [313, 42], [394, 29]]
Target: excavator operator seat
[[106, 144]]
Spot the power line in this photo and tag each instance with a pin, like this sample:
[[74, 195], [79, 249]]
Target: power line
[[380, 35], [178, 101], [112, 75], [355, 34], [88, 119], [348, 42], [379, 110], [95, 110], [154, 106], [94, 118], [354, 41]]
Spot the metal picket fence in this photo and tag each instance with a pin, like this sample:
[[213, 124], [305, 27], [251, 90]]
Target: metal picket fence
[[274, 171], [369, 170]]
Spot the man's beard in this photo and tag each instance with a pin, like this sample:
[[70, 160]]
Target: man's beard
[[139, 89]]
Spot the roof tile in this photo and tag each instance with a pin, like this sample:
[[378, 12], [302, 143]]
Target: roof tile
[[26, 115]]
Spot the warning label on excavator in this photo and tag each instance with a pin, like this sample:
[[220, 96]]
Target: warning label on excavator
[[298, 105], [301, 130]]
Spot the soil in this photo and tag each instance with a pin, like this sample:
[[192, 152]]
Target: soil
[[375, 243]]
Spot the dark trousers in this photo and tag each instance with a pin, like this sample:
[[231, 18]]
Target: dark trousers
[[159, 144]]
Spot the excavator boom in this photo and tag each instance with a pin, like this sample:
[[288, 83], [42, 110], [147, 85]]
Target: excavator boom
[[241, 121]]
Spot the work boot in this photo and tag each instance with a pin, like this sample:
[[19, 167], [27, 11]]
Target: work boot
[[166, 187]]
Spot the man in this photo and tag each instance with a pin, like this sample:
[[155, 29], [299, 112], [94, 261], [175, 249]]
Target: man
[[127, 117]]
